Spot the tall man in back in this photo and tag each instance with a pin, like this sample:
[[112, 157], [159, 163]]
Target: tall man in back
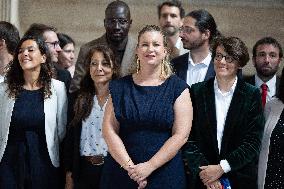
[[267, 56], [117, 23], [9, 38], [171, 15], [197, 33]]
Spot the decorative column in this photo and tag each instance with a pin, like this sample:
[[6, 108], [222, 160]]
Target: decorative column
[[9, 11]]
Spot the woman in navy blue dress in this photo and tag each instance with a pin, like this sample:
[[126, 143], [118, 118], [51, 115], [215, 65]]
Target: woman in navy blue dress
[[147, 120]]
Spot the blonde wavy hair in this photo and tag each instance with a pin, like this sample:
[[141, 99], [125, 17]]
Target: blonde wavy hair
[[166, 68]]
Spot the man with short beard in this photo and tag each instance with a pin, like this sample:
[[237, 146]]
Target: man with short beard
[[267, 56], [198, 31], [171, 15]]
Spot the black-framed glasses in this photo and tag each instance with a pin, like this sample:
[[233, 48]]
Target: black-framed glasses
[[220, 56], [185, 29], [121, 21], [54, 44]]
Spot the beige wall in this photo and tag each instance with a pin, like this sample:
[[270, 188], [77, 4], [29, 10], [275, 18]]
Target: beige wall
[[83, 20]]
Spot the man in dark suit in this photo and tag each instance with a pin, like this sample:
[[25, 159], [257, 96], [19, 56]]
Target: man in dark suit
[[117, 23], [198, 31], [267, 56], [48, 33]]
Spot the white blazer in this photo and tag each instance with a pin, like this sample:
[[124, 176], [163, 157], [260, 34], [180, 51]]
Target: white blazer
[[55, 110]]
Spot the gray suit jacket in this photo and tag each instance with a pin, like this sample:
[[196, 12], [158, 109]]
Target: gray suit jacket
[[272, 112], [55, 110], [126, 64]]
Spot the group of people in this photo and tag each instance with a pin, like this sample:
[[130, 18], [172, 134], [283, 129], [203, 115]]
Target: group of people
[[171, 110]]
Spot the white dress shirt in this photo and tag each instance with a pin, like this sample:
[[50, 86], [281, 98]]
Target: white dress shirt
[[222, 103], [271, 84], [196, 72], [92, 142], [1, 79]]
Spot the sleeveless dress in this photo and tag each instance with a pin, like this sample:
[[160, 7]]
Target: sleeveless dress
[[146, 116]]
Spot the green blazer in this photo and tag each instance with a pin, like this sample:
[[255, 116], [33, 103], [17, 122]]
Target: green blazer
[[241, 136]]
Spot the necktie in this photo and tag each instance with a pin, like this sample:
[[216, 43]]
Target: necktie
[[264, 93]]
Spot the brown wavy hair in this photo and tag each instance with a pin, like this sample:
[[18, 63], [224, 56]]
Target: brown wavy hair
[[84, 102], [15, 75]]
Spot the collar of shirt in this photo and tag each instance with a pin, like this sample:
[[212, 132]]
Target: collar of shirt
[[271, 84], [179, 46], [1, 78], [226, 94], [204, 63]]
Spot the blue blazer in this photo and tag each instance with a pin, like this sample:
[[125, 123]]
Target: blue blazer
[[180, 66]]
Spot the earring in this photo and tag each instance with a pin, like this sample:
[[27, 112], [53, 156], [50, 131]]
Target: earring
[[163, 67], [137, 65]]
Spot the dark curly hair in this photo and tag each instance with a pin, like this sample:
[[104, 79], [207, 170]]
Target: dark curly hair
[[84, 102], [234, 47], [15, 75]]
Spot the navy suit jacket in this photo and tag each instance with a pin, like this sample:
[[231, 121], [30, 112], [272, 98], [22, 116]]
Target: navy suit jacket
[[241, 139], [180, 66]]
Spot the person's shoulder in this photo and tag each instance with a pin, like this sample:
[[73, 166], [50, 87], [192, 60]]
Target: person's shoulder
[[58, 85], [97, 41], [247, 87], [180, 59], [121, 80], [249, 79], [177, 80]]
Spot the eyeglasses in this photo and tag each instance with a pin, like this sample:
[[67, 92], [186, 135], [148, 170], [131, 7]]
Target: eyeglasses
[[113, 21], [187, 30], [228, 59], [54, 44]]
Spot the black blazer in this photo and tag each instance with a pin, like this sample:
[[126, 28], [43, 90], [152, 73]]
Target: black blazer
[[241, 136], [63, 75], [251, 80], [180, 66]]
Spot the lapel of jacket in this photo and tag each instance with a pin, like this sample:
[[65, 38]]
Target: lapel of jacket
[[50, 104], [182, 72], [277, 84], [210, 109], [210, 72], [128, 61], [234, 110]]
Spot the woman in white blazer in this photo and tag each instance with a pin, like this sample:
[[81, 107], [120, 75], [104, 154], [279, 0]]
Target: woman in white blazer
[[271, 158], [33, 111]]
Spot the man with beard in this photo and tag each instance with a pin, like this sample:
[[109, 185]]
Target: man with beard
[[9, 38], [198, 31], [171, 15], [117, 23], [267, 56]]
